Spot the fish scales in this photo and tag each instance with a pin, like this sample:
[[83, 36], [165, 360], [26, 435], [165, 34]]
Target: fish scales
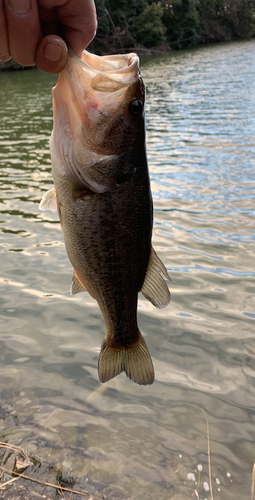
[[102, 192]]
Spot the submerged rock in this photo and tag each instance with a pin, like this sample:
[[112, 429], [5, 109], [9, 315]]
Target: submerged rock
[[20, 492]]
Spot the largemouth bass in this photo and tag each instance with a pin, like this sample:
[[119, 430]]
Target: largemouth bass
[[102, 193]]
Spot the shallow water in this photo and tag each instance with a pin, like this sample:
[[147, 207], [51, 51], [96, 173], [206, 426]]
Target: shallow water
[[143, 442]]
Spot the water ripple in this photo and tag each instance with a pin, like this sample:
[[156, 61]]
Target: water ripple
[[149, 442]]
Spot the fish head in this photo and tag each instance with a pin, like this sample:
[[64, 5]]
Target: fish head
[[98, 109]]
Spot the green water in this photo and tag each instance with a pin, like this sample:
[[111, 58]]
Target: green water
[[139, 442]]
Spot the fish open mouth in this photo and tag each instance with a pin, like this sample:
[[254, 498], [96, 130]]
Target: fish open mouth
[[97, 103], [91, 79], [108, 73]]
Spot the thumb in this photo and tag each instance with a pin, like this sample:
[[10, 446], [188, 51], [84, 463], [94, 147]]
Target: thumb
[[51, 54]]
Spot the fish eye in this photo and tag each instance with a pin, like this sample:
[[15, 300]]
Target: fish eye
[[135, 108]]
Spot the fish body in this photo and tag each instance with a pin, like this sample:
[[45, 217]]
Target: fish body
[[102, 192]]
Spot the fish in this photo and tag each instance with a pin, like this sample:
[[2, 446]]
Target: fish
[[250, 348], [103, 197]]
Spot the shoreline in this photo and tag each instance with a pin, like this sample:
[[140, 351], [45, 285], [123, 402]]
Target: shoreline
[[161, 49]]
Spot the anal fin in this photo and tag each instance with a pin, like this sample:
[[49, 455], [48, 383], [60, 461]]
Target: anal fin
[[134, 360]]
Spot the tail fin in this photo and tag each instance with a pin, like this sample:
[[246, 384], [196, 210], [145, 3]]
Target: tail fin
[[135, 361]]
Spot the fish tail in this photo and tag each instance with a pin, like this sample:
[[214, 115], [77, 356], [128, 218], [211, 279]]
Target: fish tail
[[134, 360]]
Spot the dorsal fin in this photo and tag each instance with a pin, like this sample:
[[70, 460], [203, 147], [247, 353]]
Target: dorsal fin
[[76, 286], [154, 286], [49, 200]]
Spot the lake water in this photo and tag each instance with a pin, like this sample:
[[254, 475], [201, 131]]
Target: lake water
[[139, 442]]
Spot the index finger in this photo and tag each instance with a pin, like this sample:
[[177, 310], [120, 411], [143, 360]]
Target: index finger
[[4, 49], [78, 19], [23, 30]]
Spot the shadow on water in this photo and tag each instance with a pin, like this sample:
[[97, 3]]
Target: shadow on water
[[137, 442]]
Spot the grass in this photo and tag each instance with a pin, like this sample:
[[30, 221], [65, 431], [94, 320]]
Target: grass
[[252, 482], [209, 454], [60, 489]]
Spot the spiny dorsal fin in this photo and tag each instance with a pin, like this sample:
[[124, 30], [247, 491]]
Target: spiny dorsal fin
[[154, 286], [49, 200], [76, 286], [134, 360]]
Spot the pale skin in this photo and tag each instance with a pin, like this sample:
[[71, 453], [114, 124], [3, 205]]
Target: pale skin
[[35, 31]]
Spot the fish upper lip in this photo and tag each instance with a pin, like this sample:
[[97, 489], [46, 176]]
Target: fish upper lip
[[122, 70], [129, 61]]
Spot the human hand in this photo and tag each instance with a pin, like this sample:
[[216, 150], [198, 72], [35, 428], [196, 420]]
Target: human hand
[[32, 31]]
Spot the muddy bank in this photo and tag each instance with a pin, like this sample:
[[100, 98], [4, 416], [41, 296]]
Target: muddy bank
[[25, 477], [14, 491]]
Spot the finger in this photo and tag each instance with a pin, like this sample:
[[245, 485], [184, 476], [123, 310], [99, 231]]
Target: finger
[[4, 49], [80, 23], [51, 54], [23, 30], [78, 19]]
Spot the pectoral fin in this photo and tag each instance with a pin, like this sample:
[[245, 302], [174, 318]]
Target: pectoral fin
[[102, 173], [154, 286], [49, 200], [76, 286]]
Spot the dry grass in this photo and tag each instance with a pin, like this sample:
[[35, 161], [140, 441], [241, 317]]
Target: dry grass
[[195, 493], [209, 455], [61, 489], [252, 482], [83, 493], [61, 492], [250, 348], [8, 482], [15, 449]]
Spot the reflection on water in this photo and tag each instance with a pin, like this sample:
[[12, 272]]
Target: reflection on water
[[145, 442]]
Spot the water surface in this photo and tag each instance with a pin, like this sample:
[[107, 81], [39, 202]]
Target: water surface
[[139, 442]]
